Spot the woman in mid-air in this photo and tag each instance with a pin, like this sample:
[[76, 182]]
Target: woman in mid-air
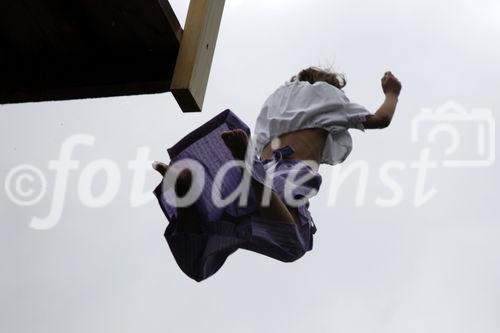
[[303, 124]]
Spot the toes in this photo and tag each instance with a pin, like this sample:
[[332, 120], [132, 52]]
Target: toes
[[162, 168], [235, 140], [227, 136], [239, 132], [243, 134]]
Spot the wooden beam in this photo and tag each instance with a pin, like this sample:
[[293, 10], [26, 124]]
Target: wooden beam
[[196, 52]]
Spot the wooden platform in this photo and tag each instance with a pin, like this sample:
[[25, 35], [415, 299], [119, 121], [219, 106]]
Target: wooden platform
[[73, 49]]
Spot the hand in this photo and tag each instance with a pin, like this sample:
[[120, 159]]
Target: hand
[[391, 84]]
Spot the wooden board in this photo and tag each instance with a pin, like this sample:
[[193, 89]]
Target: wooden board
[[72, 49]]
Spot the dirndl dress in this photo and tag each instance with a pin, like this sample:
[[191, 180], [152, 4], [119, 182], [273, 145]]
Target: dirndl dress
[[234, 226]]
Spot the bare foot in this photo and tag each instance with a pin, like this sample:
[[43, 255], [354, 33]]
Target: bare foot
[[184, 180], [237, 142]]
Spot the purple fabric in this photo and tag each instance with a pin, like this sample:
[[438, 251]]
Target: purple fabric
[[224, 230]]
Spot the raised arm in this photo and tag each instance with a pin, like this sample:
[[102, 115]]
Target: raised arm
[[383, 116]]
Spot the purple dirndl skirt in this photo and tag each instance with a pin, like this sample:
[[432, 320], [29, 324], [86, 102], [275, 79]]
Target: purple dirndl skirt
[[234, 226]]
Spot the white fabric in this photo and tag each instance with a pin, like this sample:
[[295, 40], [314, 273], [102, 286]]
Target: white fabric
[[299, 105]]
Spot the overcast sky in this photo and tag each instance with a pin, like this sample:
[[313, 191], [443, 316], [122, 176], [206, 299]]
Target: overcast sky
[[402, 252]]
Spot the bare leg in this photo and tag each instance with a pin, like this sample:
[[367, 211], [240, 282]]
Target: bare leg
[[188, 217], [237, 142]]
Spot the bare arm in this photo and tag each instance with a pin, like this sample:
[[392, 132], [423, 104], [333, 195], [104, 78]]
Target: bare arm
[[383, 116]]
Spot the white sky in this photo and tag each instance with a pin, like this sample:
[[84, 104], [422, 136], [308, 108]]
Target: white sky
[[433, 268]]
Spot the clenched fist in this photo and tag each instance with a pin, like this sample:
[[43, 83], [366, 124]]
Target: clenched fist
[[391, 84]]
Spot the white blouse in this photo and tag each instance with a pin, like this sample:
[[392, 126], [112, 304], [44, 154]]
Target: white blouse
[[299, 105]]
